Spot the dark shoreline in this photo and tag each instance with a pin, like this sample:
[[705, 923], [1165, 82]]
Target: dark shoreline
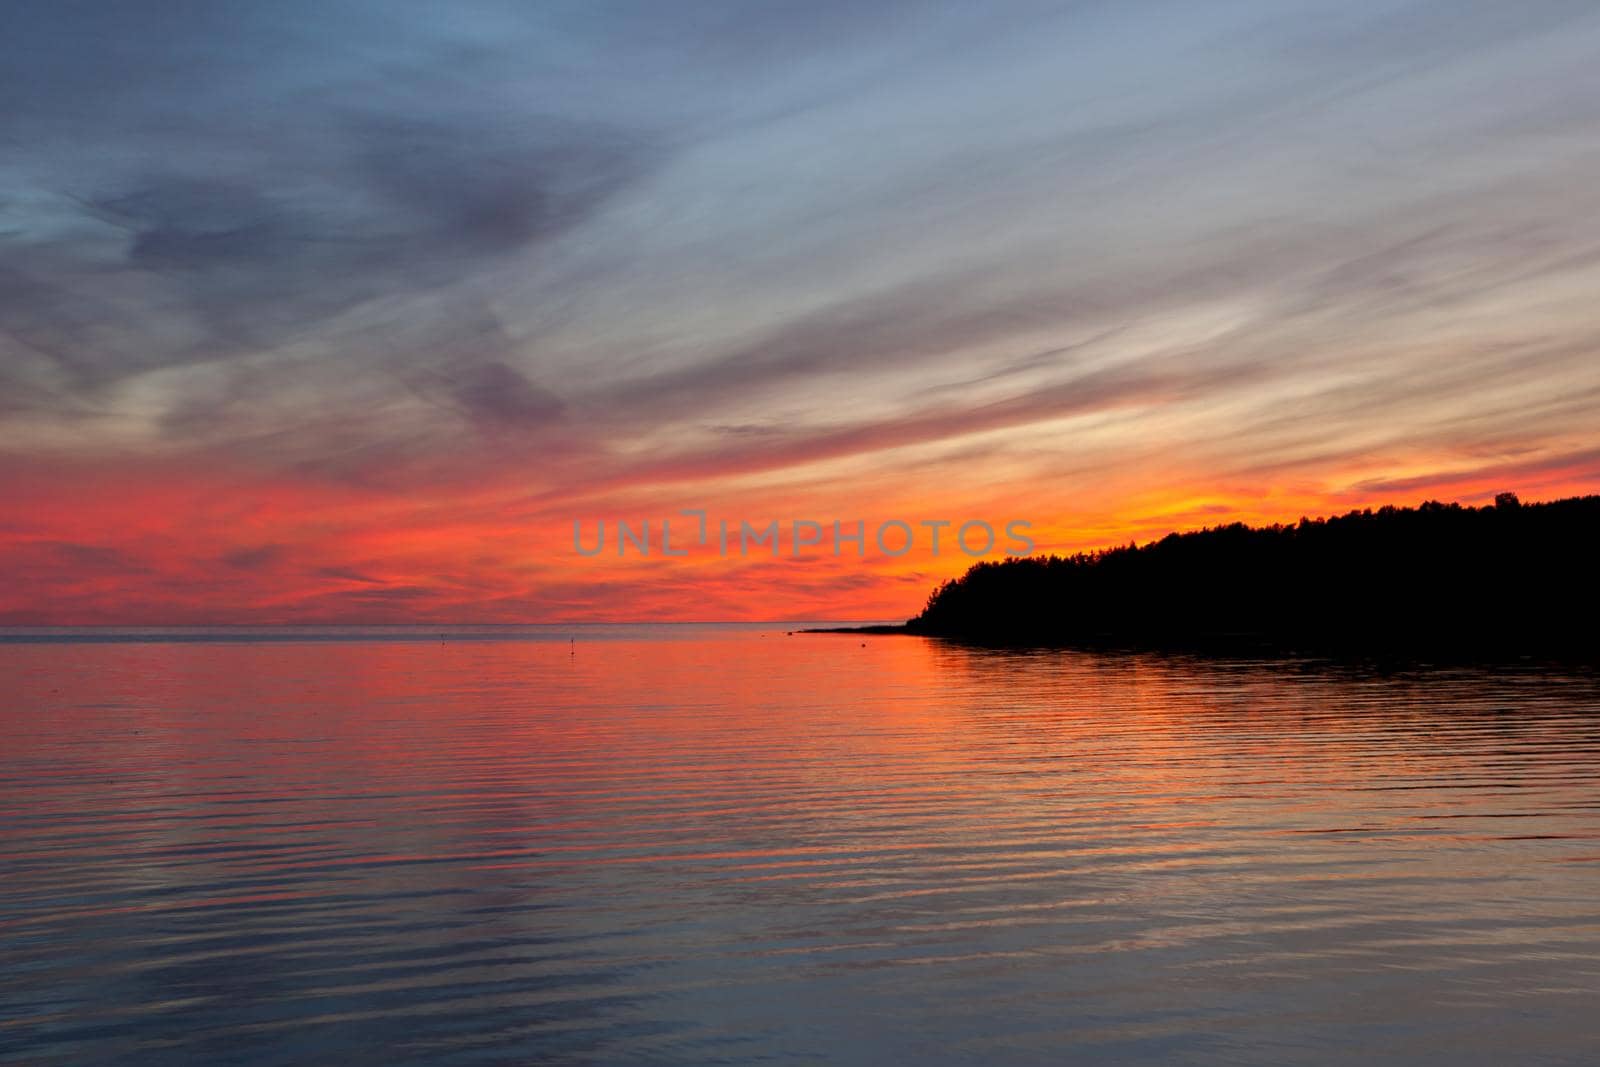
[[1505, 583], [1442, 653]]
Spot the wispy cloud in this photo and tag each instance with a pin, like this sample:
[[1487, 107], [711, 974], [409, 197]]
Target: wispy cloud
[[395, 264]]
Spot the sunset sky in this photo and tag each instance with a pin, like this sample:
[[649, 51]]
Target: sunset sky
[[345, 312]]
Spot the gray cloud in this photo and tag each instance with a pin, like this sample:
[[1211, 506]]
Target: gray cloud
[[389, 244], [498, 394], [234, 210]]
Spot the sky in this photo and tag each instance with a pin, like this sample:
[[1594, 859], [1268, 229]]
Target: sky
[[349, 311]]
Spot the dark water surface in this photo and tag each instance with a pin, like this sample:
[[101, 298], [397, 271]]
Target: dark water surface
[[701, 845]]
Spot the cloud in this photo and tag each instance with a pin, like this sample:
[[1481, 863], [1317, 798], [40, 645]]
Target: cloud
[[104, 559], [494, 258], [260, 557], [280, 203], [1564, 467], [347, 574]]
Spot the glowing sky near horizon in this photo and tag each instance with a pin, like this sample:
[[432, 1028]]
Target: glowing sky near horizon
[[345, 312]]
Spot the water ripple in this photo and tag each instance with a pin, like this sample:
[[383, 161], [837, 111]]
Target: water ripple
[[738, 847]]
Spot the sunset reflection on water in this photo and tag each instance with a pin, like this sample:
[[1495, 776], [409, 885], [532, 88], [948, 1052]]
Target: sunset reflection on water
[[687, 844]]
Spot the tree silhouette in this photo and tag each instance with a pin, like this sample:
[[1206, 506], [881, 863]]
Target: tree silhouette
[[1440, 577]]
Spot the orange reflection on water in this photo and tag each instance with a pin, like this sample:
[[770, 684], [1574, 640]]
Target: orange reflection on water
[[685, 826]]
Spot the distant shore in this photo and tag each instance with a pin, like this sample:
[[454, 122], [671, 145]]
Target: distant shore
[[1442, 580]]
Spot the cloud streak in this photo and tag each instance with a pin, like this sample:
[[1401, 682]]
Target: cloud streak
[[424, 269]]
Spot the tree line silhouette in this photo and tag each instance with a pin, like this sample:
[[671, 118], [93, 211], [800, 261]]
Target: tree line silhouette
[[1507, 578]]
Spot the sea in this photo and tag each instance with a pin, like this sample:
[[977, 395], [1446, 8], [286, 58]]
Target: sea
[[743, 844]]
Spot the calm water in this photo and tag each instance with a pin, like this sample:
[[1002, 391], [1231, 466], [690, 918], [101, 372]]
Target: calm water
[[700, 845]]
